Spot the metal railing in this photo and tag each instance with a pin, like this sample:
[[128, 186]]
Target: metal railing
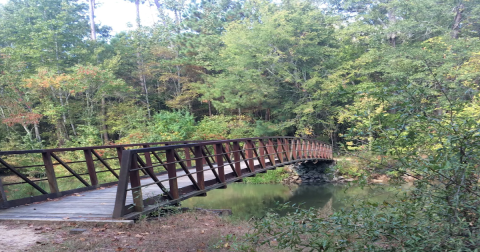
[[37, 175], [224, 161]]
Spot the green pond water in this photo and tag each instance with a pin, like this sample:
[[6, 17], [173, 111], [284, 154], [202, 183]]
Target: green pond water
[[249, 200]]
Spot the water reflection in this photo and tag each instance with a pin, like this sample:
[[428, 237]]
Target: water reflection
[[247, 200]]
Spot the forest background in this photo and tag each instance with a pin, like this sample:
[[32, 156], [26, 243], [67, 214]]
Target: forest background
[[228, 69], [398, 79]]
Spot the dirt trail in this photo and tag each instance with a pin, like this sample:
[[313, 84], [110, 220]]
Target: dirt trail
[[17, 238]]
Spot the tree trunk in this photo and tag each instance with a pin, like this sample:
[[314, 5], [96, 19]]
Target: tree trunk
[[137, 6], [37, 132], [104, 122], [456, 22], [161, 12], [143, 81], [392, 19], [209, 108], [93, 34]]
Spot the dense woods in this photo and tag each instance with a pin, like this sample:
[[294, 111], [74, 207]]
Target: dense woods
[[217, 69], [396, 79]]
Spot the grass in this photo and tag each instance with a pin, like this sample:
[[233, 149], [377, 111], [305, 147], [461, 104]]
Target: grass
[[64, 184], [271, 177]]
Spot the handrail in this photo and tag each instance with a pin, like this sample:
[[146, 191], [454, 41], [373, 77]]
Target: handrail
[[87, 168], [245, 157]]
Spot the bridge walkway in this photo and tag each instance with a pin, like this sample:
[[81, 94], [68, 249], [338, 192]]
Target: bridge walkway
[[92, 205]]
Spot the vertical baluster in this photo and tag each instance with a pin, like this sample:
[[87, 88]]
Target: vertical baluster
[[249, 154], [307, 149], [91, 167], [172, 173], [236, 158], [119, 154], [261, 153], [199, 167], [219, 160], [148, 159], [135, 182], [187, 157], [52, 179], [280, 150], [303, 153], [271, 151], [288, 153], [3, 196]]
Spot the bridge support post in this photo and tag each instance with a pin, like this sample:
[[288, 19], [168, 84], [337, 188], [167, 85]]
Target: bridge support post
[[135, 182], [261, 153], [249, 152], [91, 167], [49, 169], [271, 150], [236, 158], [199, 167], [148, 159], [220, 164], [3, 196], [280, 150], [188, 157], [294, 149], [172, 173], [287, 149]]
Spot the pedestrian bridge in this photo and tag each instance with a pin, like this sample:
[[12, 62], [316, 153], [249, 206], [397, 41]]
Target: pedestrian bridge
[[125, 181]]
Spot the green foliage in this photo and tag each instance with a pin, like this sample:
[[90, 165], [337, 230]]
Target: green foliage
[[171, 126], [223, 127], [271, 177], [88, 135]]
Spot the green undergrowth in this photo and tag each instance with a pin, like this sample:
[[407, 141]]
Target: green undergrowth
[[271, 177]]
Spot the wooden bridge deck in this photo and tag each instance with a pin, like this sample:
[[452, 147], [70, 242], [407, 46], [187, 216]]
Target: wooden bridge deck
[[133, 196], [92, 205]]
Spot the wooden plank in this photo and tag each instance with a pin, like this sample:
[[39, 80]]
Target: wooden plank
[[50, 171]]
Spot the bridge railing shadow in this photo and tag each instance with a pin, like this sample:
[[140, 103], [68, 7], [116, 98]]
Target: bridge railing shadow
[[192, 169]]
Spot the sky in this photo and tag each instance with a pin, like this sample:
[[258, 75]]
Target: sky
[[118, 13]]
